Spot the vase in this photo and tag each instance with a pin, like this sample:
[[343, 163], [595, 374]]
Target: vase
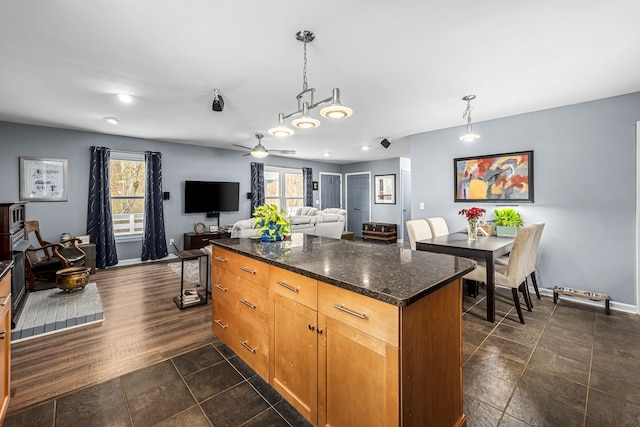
[[473, 230], [275, 235]]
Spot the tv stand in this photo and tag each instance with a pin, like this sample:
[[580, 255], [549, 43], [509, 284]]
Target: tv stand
[[198, 241]]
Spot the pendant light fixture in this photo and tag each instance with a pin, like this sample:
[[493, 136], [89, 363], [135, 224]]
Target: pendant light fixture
[[469, 136], [303, 119]]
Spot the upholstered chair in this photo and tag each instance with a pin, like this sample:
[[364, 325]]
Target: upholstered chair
[[418, 229], [438, 226], [531, 267], [514, 275]]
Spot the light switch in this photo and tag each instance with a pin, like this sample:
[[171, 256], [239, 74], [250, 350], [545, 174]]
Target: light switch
[[421, 205]]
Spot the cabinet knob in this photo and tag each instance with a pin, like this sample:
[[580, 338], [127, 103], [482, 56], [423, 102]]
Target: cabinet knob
[[319, 331], [311, 327], [3, 334]]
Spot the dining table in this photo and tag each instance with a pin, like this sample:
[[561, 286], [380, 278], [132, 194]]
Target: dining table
[[484, 248]]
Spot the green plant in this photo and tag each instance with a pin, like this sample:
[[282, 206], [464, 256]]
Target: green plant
[[271, 221], [508, 217]]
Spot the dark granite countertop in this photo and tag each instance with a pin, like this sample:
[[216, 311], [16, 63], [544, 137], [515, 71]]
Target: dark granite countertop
[[389, 273], [4, 267]]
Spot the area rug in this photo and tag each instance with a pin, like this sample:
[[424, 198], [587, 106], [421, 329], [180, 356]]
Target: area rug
[[54, 310], [191, 271]]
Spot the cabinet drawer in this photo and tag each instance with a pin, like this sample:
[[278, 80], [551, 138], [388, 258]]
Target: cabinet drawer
[[244, 298], [246, 341], [373, 317], [245, 267], [5, 285], [294, 286]]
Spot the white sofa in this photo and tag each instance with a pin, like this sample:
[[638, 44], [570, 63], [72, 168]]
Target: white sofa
[[308, 220]]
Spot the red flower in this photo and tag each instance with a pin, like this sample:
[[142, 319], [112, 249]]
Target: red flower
[[473, 213]]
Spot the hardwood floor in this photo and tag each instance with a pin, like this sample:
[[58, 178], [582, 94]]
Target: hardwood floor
[[142, 326]]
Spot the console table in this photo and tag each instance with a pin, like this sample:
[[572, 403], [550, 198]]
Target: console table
[[199, 241]]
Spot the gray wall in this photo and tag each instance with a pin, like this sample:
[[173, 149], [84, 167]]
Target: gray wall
[[585, 188], [180, 162], [382, 212]]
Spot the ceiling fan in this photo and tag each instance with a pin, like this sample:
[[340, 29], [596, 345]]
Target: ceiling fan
[[259, 150]]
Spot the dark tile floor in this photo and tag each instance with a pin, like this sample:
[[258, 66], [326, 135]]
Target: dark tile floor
[[569, 365]]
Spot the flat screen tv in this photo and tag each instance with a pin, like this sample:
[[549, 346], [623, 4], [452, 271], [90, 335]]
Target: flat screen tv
[[211, 196]]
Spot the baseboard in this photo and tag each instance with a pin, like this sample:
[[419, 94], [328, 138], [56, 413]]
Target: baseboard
[[136, 261]]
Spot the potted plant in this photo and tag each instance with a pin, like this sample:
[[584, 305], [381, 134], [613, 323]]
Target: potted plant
[[271, 221], [508, 221]]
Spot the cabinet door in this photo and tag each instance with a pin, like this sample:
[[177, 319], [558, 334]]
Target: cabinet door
[[5, 353], [293, 354], [357, 377]]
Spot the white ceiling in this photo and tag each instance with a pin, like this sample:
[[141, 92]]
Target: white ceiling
[[403, 66]]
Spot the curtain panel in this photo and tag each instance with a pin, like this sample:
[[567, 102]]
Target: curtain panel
[[307, 175], [257, 185], [154, 244], [99, 220]]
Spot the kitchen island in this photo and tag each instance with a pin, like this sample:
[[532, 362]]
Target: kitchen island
[[349, 333]]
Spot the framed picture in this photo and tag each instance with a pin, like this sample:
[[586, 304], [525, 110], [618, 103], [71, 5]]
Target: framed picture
[[84, 240], [494, 178], [385, 189], [213, 229], [43, 180]]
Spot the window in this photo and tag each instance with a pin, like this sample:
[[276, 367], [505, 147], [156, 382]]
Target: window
[[284, 188], [127, 180]]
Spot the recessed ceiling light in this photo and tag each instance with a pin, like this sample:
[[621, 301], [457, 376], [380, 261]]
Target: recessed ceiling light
[[327, 154], [365, 148], [124, 97], [112, 120]]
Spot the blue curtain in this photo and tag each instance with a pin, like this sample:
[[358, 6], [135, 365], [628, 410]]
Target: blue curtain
[[307, 175], [99, 220], [154, 245], [257, 185]]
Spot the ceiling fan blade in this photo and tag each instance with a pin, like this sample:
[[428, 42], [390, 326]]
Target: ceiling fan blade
[[248, 154], [283, 151], [242, 146]]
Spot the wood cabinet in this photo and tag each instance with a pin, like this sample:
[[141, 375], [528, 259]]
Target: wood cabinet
[[5, 343], [239, 295], [341, 358], [199, 241], [292, 339]]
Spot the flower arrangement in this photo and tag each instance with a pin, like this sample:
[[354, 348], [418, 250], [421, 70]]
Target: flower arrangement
[[472, 216]]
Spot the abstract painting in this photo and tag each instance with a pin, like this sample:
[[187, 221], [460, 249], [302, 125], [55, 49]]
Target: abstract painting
[[495, 177]]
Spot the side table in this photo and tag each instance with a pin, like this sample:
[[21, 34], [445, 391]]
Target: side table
[[183, 300], [90, 255]]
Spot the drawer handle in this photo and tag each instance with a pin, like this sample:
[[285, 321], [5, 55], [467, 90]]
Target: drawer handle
[[291, 288], [220, 324], [6, 298], [248, 304], [3, 334], [346, 310], [220, 287], [248, 270], [245, 345], [217, 258]]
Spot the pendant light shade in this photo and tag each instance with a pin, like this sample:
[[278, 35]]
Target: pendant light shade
[[336, 110], [469, 136], [305, 121], [281, 129]]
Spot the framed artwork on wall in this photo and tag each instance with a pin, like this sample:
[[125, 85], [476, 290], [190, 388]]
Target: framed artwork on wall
[[494, 178], [43, 179], [385, 189]]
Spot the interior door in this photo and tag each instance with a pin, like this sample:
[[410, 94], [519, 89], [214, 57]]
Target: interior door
[[358, 199], [330, 190]]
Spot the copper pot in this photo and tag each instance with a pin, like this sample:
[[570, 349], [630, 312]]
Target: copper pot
[[71, 278]]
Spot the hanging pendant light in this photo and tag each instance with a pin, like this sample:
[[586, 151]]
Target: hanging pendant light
[[469, 136], [303, 119]]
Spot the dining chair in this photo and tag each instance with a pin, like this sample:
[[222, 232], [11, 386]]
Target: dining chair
[[531, 266], [514, 275], [438, 226], [418, 229]]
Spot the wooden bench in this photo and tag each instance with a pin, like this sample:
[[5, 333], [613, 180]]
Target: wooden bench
[[582, 294]]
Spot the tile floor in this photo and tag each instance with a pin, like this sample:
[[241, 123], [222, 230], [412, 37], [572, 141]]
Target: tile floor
[[569, 365]]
